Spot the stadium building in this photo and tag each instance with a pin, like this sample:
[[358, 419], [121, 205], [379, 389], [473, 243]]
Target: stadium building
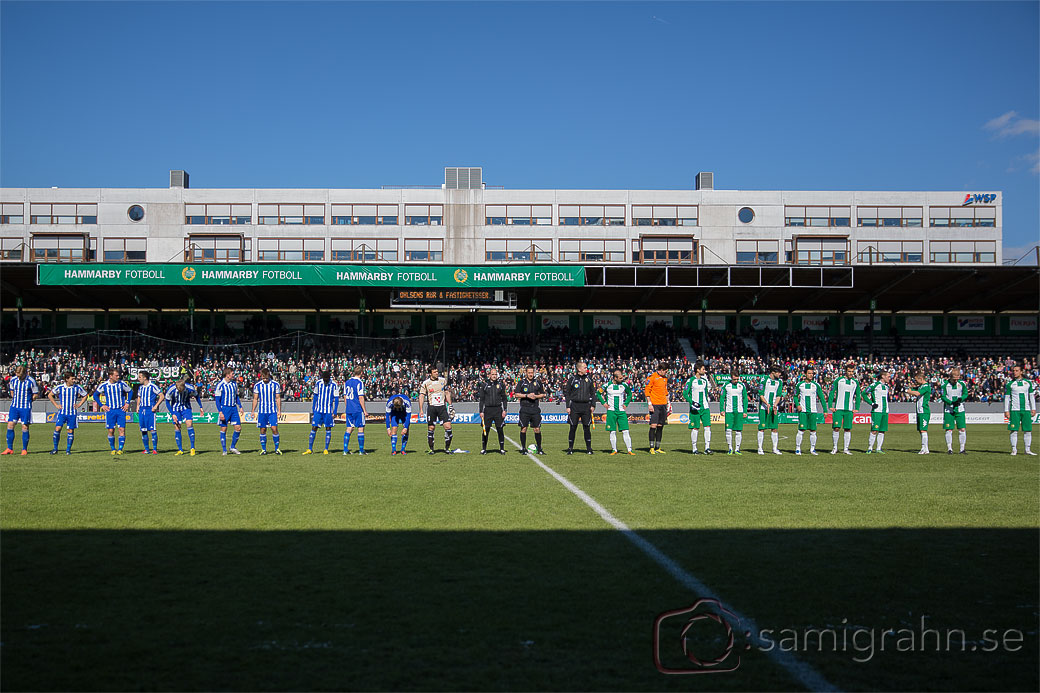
[[925, 262]]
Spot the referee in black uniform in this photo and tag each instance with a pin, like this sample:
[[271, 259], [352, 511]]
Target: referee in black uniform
[[530, 393], [492, 407], [578, 394]]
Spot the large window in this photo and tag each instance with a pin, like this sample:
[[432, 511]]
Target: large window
[[364, 215], [963, 251], [592, 215], [290, 249], [52, 247], [877, 252], [817, 216], [364, 250], [758, 252], [222, 214], [424, 250], [664, 215], [291, 214], [962, 216], [226, 248], [821, 251], [589, 250], [664, 250], [518, 215], [11, 249], [518, 249], [124, 249], [52, 213], [423, 215], [12, 213], [889, 216]]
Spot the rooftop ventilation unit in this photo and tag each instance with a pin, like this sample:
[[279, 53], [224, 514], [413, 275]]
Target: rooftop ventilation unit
[[457, 178], [705, 180], [178, 179]]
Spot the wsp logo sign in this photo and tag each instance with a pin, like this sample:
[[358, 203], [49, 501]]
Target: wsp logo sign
[[978, 198]]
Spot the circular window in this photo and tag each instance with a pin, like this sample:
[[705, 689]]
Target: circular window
[[136, 213], [746, 214]]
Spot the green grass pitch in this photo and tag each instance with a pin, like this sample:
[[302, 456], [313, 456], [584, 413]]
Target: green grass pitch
[[469, 572]]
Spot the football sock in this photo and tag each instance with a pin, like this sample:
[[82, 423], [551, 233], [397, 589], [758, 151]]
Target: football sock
[[949, 440], [263, 442], [707, 438], [155, 440], [812, 440], [177, 439], [836, 431], [761, 437], [25, 441], [144, 441], [776, 440], [310, 440], [652, 428], [570, 436], [111, 441], [393, 443], [737, 435], [880, 441], [962, 438], [57, 437], [538, 439], [798, 440], [729, 439], [223, 440], [10, 439], [191, 437], [693, 438], [483, 439], [429, 438], [870, 441], [1014, 441], [848, 439], [588, 436], [234, 438], [328, 437], [69, 439], [613, 441], [346, 440], [523, 440], [122, 440], [404, 441], [447, 438], [360, 441], [624, 434], [924, 440], [1027, 437], [660, 432]]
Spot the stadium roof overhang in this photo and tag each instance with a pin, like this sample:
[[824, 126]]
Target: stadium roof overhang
[[613, 288]]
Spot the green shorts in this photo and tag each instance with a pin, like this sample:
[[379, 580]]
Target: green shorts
[[701, 419], [735, 420], [617, 421], [768, 419], [879, 422], [922, 421], [954, 420], [806, 421], [1023, 419], [842, 419]]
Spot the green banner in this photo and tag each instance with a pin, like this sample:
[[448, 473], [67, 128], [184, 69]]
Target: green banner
[[386, 276], [723, 378]]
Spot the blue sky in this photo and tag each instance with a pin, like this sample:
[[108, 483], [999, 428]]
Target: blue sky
[[848, 96]]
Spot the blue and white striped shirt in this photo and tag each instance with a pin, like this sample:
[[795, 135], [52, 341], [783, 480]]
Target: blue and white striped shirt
[[68, 396], [407, 408], [22, 392], [266, 396], [353, 390], [226, 394], [147, 395], [326, 397], [115, 393], [179, 401]]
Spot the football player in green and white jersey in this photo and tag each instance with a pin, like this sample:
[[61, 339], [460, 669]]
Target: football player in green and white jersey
[[877, 396], [953, 392], [769, 409], [734, 407], [616, 396], [809, 398], [696, 394], [1019, 408], [923, 393], [844, 401]]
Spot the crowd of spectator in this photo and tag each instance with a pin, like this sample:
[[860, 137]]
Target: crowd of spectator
[[398, 365]]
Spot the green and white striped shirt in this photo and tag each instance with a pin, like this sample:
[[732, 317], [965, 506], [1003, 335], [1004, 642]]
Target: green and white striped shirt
[[810, 396], [772, 390], [734, 398], [924, 399], [845, 394], [1019, 395], [696, 392], [950, 392], [878, 394], [615, 395]]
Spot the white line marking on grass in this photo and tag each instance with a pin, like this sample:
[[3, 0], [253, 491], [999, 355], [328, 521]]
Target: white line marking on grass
[[802, 672]]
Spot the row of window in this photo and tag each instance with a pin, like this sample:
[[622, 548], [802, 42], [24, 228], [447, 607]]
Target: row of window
[[647, 249], [512, 215]]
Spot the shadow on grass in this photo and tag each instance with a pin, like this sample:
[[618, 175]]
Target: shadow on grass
[[109, 609]]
